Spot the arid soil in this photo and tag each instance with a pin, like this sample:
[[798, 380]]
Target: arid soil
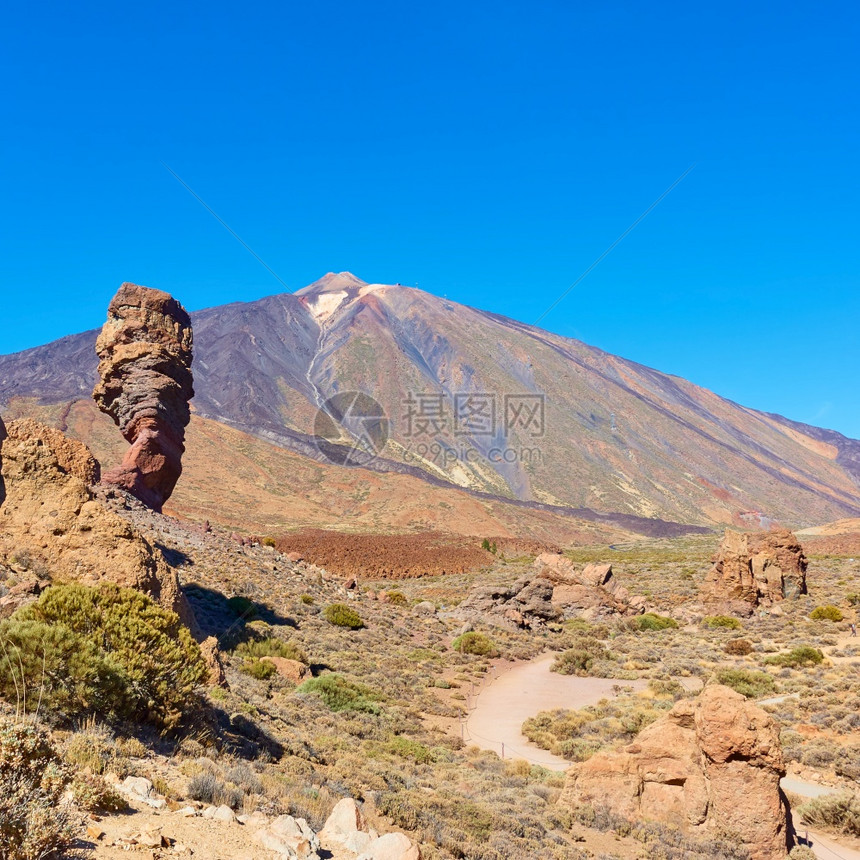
[[399, 556]]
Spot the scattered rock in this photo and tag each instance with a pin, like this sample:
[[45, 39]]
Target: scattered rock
[[711, 764], [21, 594], [425, 607], [145, 384], [755, 569], [526, 603], [290, 837], [345, 819], [94, 831], [212, 657], [224, 813], [392, 846], [292, 670]]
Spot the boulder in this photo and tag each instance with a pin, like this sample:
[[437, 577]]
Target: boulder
[[292, 670], [211, 655], [345, 819], [145, 384], [49, 511], [392, 846], [755, 569], [712, 764], [526, 603]]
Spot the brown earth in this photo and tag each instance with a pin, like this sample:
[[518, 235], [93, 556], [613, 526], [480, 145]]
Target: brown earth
[[402, 556], [843, 545]]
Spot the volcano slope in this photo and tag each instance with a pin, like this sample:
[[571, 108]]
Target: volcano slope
[[483, 403]]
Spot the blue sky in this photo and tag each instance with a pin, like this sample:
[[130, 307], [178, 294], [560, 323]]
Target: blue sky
[[487, 151]]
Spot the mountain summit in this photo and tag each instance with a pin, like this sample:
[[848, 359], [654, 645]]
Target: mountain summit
[[486, 404]]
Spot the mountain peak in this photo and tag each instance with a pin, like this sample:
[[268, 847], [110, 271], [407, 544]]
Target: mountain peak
[[332, 282]]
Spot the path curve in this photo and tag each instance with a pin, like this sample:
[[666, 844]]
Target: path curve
[[507, 701]]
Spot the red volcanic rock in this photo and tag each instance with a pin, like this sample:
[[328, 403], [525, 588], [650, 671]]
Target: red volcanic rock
[[756, 569], [145, 351]]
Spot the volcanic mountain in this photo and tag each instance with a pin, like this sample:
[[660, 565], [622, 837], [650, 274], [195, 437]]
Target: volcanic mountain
[[483, 415]]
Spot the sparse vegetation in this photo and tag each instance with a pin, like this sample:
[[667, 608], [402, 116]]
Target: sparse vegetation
[[478, 644], [738, 647], [840, 812], [341, 615], [727, 622], [105, 650], [826, 613], [579, 659], [747, 682], [340, 694], [803, 655], [35, 820], [652, 621]]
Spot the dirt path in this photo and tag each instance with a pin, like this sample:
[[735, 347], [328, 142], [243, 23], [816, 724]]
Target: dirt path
[[520, 692]]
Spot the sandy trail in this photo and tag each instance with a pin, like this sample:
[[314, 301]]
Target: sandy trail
[[520, 692]]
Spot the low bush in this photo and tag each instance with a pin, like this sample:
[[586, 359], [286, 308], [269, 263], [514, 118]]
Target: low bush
[[262, 670], [341, 615], [93, 794], [339, 694], [803, 655], [652, 621], [35, 820], [271, 646], [837, 811], [738, 647], [478, 644], [397, 598], [747, 682], [108, 650], [242, 607], [579, 659], [826, 613], [728, 622]]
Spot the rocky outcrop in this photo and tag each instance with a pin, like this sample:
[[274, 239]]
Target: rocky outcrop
[[590, 593], [756, 569], [145, 384], [711, 765], [50, 515], [526, 603], [347, 828]]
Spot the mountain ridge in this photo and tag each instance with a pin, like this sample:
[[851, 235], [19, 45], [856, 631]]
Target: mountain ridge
[[617, 437]]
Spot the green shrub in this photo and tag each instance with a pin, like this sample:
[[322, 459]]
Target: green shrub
[[579, 659], [262, 670], [306, 599], [106, 650], [747, 682], [728, 622], [268, 541], [738, 647], [826, 613], [838, 811], [410, 749], [398, 598], [475, 643], [652, 621], [339, 694], [803, 655], [853, 598], [271, 646], [342, 615], [35, 821], [242, 607]]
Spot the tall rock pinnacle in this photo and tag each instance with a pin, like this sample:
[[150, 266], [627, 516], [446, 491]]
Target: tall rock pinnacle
[[145, 383]]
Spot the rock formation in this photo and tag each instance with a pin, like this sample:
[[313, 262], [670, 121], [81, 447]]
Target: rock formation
[[526, 603], [145, 351], [711, 765], [50, 517], [756, 569], [590, 593]]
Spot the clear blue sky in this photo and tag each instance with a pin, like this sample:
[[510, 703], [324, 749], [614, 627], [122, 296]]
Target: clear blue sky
[[487, 151]]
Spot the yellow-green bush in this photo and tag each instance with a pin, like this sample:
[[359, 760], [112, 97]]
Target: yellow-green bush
[[342, 615], [747, 682], [579, 659], [340, 694], [727, 622], [475, 643], [826, 613], [107, 650]]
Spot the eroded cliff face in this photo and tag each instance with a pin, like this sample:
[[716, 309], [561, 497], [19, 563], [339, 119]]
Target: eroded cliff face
[[756, 569], [145, 385], [50, 516], [711, 765]]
